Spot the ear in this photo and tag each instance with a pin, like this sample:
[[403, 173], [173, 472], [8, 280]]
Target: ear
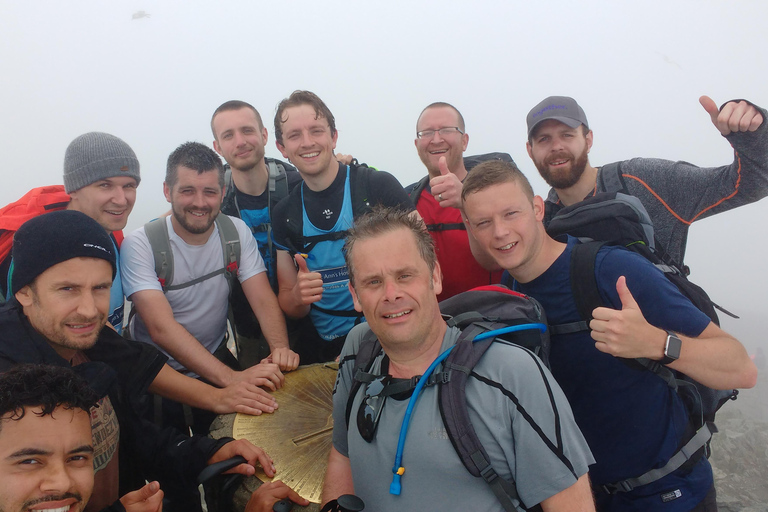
[[437, 278], [529, 148], [589, 140], [216, 146], [25, 296], [264, 135], [281, 149], [355, 300], [538, 208], [464, 142], [335, 138], [167, 192]]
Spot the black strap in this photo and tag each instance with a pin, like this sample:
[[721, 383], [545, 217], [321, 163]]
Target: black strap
[[447, 226], [583, 281]]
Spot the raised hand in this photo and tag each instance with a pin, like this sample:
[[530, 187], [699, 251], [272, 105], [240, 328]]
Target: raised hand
[[625, 332], [147, 499], [309, 285], [446, 188], [736, 116]]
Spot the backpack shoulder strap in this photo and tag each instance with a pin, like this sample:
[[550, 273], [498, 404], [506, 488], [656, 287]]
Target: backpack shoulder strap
[[360, 188], [159, 240], [230, 193], [366, 354], [609, 179], [584, 288], [230, 244], [455, 415], [415, 189]]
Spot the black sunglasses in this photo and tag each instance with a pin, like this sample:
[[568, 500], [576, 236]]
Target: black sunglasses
[[370, 408]]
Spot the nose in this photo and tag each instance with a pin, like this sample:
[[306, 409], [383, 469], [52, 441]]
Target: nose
[[499, 229], [306, 139], [57, 479], [239, 139], [391, 290], [87, 306], [118, 196]]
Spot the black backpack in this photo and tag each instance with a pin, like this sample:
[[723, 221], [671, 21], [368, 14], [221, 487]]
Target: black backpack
[[615, 218], [414, 190], [477, 311]]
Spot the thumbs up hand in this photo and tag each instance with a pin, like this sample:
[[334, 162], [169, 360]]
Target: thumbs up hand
[[446, 188], [625, 332], [309, 285], [735, 116]]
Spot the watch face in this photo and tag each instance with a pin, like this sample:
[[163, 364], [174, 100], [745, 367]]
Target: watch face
[[672, 349]]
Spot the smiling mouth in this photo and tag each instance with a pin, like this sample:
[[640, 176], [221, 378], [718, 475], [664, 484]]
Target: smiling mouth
[[558, 162], [438, 152], [399, 315], [115, 213], [198, 214], [507, 247], [310, 155]]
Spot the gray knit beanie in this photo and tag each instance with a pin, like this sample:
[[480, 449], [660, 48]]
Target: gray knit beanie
[[96, 156]]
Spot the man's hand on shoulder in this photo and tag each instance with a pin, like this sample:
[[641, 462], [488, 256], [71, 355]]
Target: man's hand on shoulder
[[446, 188], [735, 116], [626, 332], [147, 499], [265, 497], [252, 454]]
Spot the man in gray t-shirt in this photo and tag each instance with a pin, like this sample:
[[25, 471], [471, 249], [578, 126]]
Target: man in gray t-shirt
[[394, 281]]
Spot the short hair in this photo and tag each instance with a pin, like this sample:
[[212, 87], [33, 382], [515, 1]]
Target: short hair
[[45, 386], [195, 156], [383, 220], [439, 104], [296, 99], [234, 105], [495, 172], [584, 131]]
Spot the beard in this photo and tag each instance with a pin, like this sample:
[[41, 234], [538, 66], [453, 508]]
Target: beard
[[195, 229], [563, 179]]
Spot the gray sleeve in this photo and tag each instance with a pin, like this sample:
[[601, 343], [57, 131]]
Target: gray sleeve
[[679, 193], [547, 452]]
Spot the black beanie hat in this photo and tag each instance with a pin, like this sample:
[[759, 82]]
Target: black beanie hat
[[53, 238]]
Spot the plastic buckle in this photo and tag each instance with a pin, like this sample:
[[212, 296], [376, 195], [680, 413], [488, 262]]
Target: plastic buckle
[[618, 487]]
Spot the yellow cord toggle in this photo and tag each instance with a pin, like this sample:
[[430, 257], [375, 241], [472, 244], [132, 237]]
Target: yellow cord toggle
[[400, 470]]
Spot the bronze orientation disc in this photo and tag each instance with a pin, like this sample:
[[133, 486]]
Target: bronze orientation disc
[[298, 434]]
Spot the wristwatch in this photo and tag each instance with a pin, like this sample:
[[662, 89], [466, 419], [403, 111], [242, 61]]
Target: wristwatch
[[672, 348]]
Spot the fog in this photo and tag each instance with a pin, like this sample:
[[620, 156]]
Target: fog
[[152, 72]]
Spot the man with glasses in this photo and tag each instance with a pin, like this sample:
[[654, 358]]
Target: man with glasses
[[394, 280], [309, 225], [441, 141]]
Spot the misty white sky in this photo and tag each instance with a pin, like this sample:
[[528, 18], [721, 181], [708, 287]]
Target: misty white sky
[[637, 68]]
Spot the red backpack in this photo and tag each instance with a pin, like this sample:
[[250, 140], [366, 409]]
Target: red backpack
[[35, 202]]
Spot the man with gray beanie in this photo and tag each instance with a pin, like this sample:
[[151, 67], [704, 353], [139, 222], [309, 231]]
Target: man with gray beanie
[[101, 173], [675, 193], [65, 262]]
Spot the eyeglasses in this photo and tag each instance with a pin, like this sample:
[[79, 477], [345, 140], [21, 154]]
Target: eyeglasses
[[444, 132], [370, 408]]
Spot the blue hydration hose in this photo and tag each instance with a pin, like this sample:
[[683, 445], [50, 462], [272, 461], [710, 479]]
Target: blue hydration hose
[[398, 470]]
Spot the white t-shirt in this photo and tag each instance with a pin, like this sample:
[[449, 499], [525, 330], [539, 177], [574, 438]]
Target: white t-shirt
[[200, 308]]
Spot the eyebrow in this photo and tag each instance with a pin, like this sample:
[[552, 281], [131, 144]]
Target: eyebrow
[[28, 452]]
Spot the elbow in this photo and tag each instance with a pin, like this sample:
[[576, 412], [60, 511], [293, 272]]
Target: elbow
[[749, 376]]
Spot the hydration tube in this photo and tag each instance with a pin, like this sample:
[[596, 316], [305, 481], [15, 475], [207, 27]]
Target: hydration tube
[[398, 470]]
